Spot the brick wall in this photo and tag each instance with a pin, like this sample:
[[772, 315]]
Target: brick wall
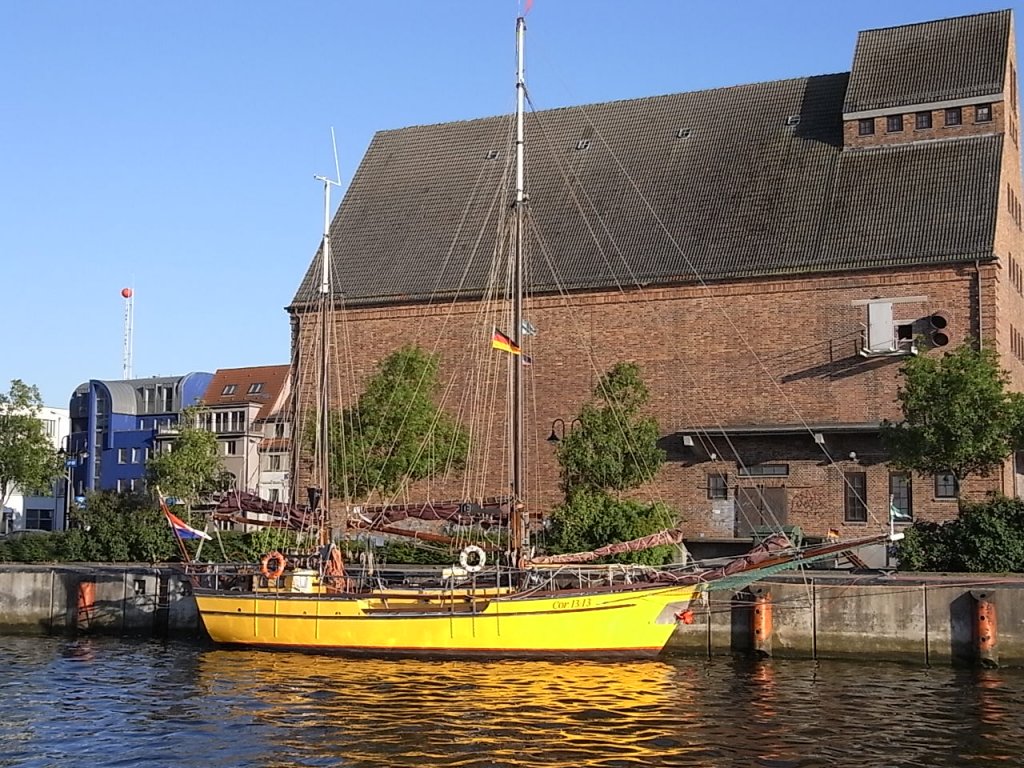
[[755, 352]]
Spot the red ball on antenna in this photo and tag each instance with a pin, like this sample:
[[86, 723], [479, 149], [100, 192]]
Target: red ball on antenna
[[126, 292]]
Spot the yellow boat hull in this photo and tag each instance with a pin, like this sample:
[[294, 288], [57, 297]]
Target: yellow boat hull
[[635, 621]]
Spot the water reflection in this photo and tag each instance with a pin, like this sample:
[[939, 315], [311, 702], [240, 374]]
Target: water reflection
[[111, 703]]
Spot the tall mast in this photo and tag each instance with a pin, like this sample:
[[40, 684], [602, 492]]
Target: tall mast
[[322, 452], [518, 527]]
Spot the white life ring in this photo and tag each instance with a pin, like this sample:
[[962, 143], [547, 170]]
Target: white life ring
[[481, 558]]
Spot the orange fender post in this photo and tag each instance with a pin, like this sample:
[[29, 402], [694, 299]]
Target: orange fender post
[[761, 621], [985, 629], [86, 603]]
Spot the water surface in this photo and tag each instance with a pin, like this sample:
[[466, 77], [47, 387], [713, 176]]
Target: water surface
[[102, 702]]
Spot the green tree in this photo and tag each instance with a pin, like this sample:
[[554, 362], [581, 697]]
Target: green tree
[[27, 458], [614, 447], [123, 527], [396, 433], [191, 469], [987, 537], [957, 415], [592, 518]]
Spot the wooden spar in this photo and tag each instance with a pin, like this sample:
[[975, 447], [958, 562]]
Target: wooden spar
[[434, 538]]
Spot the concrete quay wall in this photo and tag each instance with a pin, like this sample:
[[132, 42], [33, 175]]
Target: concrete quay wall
[[912, 618], [928, 619], [99, 599]]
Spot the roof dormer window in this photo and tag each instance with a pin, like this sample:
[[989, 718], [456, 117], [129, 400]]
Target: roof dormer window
[[954, 116], [983, 113], [923, 120], [866, 126], [229, 389], [894, 123], [255, 388]]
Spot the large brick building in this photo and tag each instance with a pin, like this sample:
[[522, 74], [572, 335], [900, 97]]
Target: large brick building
[[769, 254]]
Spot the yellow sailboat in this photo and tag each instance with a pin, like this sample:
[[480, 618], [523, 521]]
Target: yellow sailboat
[[522, 605]]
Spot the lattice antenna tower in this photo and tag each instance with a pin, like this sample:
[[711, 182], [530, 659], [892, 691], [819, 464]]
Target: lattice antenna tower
[[129, 320]]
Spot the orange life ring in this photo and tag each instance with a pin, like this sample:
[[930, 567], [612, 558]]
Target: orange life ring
[[272, 565]]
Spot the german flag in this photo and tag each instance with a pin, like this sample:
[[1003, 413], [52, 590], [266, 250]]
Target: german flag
[[500, 341]]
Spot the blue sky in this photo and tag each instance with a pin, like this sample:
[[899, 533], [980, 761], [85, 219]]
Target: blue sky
[[171, 146]]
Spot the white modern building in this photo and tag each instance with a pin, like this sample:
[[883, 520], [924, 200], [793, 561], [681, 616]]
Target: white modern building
[[42, 513]]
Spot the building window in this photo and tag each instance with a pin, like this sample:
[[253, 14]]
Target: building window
[[718, 485], [900, 497], [983, 113], [923, 120], [894, 123], [145, 455], [275, 494], [136, 455], [229, 389], [954, 116], [39, 519], [274, 463], [945, 486], [763, 470], [230, 447], [122, 455], [279, 429], [256, 387], [866, 126], [855, 506], [120, 485]]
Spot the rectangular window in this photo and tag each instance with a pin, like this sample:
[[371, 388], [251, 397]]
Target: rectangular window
[[230, 447], [900, 497], [894, 123], [229, 389], [274, 463], [718, 485], [275, 494], [923, 120], [39, 519], [866, 126], [145, 454], [954, 116], [122, 455], [168, 399], [279, 429], [945, 486], [763, 470], [855, 506], [120, 485], [256, 387], [983, 113], [136, 455]]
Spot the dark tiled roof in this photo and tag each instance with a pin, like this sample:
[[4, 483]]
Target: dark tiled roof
[[733, 191], [934, 61]]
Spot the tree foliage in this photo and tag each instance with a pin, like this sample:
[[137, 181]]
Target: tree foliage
[[592, 518], [192, 468], [985, 538], [396, 433], [957, 415], [614, 447], [27, 458]]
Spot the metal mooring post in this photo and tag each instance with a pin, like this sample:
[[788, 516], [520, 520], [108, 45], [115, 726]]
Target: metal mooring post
[[761, 621], [985, 628]]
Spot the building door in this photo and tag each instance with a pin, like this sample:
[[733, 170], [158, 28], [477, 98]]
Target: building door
[[759, 508]]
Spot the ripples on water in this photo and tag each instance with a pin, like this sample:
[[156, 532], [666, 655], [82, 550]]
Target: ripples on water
[[112, 703]]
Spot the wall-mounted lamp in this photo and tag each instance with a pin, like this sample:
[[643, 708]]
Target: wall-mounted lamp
[[853, 455], [819, 438], [713, 456], [558, 435]]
